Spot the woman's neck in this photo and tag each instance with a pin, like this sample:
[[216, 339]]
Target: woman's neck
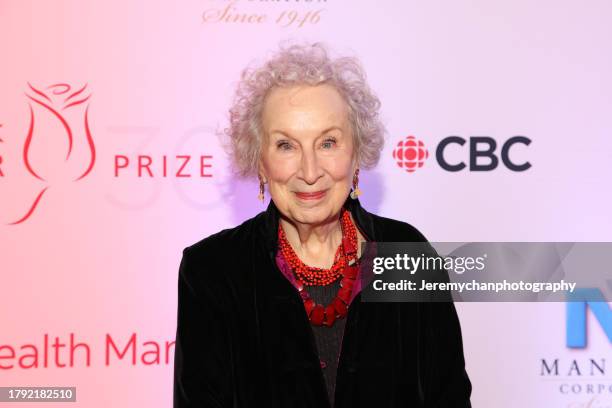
[[315, 245]]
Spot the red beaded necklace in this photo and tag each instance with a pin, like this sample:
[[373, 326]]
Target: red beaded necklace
[[345, 265]]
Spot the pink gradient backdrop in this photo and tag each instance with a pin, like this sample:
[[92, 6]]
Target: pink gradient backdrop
[[101, 255]]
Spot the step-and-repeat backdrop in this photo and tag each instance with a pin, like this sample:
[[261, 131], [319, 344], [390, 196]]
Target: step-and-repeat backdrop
[[110, 165]]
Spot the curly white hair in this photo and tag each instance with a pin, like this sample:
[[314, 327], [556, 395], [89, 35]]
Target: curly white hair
[[302, 64]]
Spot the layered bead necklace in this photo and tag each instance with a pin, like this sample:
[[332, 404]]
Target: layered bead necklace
[[345, 265]]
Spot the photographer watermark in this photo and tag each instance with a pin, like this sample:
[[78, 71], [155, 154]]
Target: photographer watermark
[[484, 271]]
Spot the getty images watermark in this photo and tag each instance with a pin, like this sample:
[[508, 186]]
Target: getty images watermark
[[485, 271]]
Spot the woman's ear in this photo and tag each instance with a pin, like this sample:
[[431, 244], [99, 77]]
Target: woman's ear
[[355, 165], [261, 172]]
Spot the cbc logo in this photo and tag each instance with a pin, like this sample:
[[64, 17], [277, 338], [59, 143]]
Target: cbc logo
[[410, 153]]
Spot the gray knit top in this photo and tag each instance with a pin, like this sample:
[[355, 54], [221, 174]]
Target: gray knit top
[[328, 339]]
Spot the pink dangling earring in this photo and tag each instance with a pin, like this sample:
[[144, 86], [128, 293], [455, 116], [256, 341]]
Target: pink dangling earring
[[356, 191]]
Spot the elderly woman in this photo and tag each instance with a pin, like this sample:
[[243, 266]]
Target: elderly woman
[[269, 312]]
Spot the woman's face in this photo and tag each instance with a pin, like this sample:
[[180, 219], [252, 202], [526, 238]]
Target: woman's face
[[307, 148]]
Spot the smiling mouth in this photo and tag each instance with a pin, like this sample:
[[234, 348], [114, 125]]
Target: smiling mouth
[[311, 196]]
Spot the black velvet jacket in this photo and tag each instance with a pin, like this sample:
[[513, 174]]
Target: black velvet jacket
[[244, 340]]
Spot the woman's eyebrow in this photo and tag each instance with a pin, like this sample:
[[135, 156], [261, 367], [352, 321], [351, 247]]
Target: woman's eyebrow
[[332, 128], [322, 132]]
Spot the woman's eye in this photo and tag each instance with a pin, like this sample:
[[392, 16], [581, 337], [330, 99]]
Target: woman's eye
[[283, 145], [329, 143]]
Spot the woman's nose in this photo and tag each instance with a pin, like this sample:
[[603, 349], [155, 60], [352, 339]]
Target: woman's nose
[[310, 167]]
